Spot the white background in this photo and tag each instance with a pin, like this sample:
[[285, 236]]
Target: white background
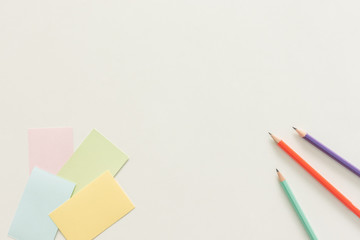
[[188, 89]]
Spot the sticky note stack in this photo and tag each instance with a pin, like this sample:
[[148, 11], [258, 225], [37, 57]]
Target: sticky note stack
[[73, 192]]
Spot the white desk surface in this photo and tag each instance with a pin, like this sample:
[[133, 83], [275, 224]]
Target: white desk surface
[[189, 90]]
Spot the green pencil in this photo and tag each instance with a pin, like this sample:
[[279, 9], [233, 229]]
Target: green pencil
[[296, 206]]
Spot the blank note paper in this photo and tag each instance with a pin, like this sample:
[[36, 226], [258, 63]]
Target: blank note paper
[[95, 208], [43, 193], [50, 148], [94, 156]]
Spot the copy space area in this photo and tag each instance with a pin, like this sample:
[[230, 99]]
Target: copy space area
[[188, 90]]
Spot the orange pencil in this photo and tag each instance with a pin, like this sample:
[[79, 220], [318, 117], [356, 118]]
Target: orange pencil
[[316, 175]]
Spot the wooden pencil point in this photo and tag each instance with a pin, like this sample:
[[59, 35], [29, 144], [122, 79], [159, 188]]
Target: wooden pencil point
[[300, 132], [281, 177], [277, 170], [294, 128], [276, 139]]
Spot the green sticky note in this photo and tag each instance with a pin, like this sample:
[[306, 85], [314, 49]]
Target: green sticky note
[[94, 156]]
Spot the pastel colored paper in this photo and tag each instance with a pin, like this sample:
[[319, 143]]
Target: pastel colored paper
[[95, 208], [43, 193], [94, 156], [50, 148]]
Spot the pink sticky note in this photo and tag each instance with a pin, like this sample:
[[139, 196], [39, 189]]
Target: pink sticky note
[[50, 148]]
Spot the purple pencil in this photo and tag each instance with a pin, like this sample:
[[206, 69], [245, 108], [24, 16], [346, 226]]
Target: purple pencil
[[328, 151]]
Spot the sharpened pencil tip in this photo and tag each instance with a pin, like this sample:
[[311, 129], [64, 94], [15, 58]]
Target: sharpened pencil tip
[[294, 128], [270, 133], [300, 132], [276, 139], [277, 170]]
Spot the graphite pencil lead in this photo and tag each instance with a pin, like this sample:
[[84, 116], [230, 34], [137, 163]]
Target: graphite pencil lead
[[277, 170], [270, 133], [294, 128]]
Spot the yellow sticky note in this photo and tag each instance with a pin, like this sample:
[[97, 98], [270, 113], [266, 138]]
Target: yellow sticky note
[[95, 208]]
